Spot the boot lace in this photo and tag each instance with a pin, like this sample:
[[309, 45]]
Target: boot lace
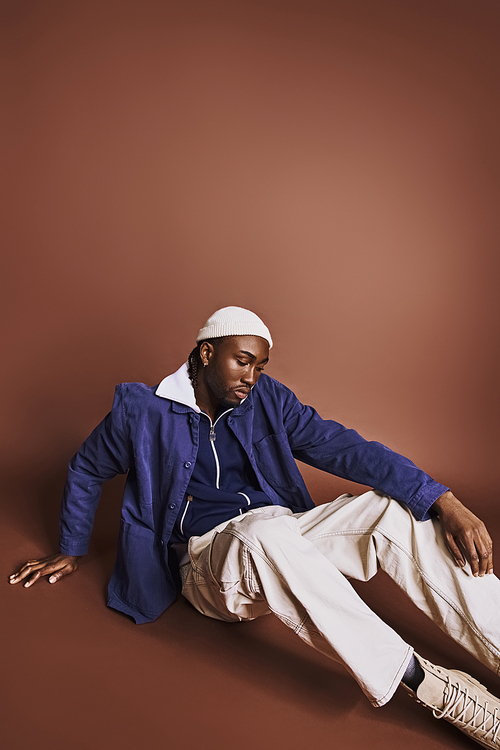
[[459, 702]]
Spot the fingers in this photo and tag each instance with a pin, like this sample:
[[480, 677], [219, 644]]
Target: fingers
[[34, 578], [482, 561], [55, 566], [478, 549], [465, 535], [486, 554], [454, 550], [27, 570], [490, 561], [60, 574]]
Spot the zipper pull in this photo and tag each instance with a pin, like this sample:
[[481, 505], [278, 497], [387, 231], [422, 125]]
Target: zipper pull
[[212, 434]]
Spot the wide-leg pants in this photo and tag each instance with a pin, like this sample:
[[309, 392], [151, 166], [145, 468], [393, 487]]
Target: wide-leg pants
[[297, 565]]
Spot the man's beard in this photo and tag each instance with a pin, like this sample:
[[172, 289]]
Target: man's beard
[[220, 391], [226, 404]]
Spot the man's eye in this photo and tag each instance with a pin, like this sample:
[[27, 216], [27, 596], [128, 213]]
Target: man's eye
[[242, 364]]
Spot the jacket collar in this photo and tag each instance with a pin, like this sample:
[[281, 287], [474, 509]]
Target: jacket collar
[[177, 387]]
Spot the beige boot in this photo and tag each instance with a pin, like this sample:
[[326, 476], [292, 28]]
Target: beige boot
[[461, 700]]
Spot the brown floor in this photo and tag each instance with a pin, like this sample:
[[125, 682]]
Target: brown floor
[[332, 164], [78, 675]]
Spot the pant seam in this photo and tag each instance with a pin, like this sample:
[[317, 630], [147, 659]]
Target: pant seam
[[292, 624], [438, 591], [394, 684], [430, 583], [249, 544]]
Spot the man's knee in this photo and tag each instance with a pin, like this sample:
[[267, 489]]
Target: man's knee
[[261, 529], [244, 539]]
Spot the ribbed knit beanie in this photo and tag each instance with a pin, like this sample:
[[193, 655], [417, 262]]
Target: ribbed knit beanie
[[234, 321]]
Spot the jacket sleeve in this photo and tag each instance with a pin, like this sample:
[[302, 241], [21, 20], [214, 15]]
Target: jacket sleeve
[[102, 456], [330, 446]]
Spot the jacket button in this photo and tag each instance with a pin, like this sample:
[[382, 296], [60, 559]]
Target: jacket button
[[171, 506], [187, 464]]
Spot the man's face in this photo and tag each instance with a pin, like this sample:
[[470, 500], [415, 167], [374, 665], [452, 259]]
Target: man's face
[[234, 366]]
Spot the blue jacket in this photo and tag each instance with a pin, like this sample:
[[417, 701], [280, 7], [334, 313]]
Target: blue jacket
[[152, 433]]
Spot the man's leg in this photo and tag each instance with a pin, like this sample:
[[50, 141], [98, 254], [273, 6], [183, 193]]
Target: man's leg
[[260, 562], [263, 562], [359, 534]]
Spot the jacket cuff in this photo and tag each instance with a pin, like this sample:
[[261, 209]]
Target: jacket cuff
[[75, 549], [421, 504]]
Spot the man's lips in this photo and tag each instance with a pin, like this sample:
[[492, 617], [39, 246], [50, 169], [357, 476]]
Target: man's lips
[[241, 392]]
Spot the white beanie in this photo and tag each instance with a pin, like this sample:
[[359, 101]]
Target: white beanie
[[234, 321]]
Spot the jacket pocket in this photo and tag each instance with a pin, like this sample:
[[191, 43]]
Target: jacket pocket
[[275, 460], [139, 577]]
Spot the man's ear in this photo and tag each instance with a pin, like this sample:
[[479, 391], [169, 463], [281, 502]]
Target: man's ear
[[206, 352]]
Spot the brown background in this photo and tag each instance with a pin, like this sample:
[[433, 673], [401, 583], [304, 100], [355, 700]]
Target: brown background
[[332, 165]]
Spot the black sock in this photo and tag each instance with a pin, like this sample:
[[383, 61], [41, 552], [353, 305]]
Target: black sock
[[414, 674]]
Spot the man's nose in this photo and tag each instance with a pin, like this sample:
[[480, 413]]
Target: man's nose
[[250, 377]]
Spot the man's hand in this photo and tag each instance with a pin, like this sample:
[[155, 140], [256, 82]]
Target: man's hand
[[56, 566], [465, 535]]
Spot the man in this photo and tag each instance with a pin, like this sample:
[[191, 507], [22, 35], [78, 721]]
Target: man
[[215, 505]]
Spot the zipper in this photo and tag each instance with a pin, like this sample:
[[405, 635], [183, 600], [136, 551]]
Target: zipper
[[245, 496], [212, 437], [188, 500]]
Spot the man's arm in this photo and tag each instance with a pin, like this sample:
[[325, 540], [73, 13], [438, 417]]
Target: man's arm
[[464, 534], [102, 456], [331, 447]]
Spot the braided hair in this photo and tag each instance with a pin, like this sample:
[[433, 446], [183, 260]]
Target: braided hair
[[195, 358]]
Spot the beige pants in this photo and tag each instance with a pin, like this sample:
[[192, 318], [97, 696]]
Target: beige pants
[[295, 565]]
